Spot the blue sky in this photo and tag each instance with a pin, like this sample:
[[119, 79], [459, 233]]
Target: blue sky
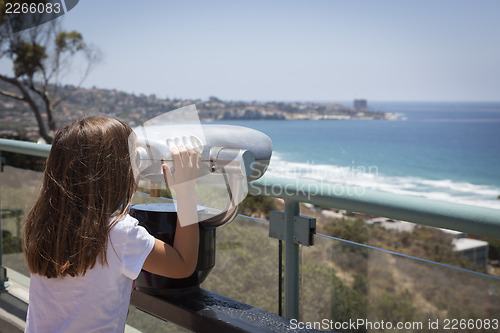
[[447, 50]]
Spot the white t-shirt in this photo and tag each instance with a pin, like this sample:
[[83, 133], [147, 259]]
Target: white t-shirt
[[99, 300]]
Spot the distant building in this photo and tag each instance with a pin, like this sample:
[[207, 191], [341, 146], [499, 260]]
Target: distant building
[[390, 224], [474, 249], [360, 105]]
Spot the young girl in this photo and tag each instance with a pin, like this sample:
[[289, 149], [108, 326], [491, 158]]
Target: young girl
[[81, 246]]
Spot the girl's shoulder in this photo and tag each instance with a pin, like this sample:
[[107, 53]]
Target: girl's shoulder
[[124, 222], [127, 227], [128, 230]]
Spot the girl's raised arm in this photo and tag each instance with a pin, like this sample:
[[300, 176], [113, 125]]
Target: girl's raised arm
[[179, 260]]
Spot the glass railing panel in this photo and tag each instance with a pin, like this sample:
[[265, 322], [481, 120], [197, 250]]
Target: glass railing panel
[[246, 265], [344, 282], [18, 191]]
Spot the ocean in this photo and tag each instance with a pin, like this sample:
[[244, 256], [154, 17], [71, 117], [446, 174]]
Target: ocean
[[444, 151]]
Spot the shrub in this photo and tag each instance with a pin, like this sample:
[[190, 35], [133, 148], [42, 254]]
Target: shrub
[[257, 206]]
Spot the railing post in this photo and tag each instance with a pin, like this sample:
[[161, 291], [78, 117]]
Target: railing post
[[292, 209], [3, 271]]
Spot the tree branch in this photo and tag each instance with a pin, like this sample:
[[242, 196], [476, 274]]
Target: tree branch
[[11, 95], [46, 101], [27, 98], [14, 82]]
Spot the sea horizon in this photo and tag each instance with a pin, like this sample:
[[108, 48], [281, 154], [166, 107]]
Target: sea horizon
[[440, 151]]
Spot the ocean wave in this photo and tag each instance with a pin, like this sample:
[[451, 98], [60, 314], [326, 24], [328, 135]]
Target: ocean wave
[[369, 177]]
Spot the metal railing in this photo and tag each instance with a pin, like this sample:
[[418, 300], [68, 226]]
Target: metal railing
[[470, 219]]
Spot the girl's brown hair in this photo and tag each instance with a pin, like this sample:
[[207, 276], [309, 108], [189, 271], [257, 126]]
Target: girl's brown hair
[[88, 178]]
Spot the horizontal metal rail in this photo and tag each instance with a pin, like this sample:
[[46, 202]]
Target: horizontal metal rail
[[24, 147], [470, 219]]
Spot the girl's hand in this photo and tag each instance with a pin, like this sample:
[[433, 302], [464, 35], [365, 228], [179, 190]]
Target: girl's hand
[[179, 260], [186, 168]]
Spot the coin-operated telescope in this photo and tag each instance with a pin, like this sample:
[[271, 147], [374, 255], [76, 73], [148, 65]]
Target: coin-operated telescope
[[231, 156]]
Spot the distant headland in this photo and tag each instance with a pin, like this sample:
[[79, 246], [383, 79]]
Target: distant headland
[[228, 110], [17, 119]]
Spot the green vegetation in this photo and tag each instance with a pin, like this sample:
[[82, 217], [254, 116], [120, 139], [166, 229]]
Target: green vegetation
[[257, 206], [494, 248], [422, 242], [18, 189], [353, 230], [10, 243], [246, 267], [343, 281]]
